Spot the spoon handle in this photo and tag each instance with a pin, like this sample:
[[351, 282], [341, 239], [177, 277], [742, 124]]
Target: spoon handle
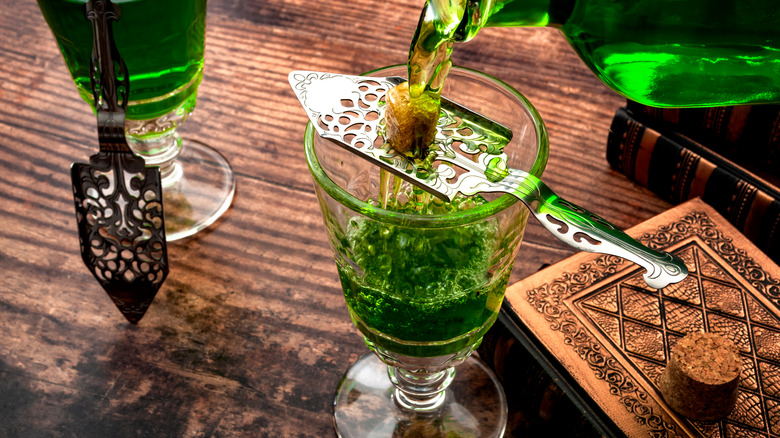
[[109, 79], [587, 231]]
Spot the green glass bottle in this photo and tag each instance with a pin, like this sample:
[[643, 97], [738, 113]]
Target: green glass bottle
[[665, 53]]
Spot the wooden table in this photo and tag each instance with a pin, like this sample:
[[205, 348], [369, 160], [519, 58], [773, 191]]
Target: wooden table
[[249, 335]]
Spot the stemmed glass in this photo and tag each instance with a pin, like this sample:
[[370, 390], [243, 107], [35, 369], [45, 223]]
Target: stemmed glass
[[162, 44], [424, 279]]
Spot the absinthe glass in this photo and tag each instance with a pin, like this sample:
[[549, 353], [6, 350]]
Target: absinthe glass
[[424, 279], [162, 43]]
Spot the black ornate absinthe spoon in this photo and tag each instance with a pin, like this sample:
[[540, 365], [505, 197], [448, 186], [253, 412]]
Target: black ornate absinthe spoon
[[118, 199]]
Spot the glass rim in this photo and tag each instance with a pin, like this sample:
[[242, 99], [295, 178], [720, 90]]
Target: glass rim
[[471, 215]]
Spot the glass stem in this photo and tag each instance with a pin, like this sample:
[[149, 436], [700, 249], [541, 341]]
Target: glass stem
[[420, 391], [159, 150]]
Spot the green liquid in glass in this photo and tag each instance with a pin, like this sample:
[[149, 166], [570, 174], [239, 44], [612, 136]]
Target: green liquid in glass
[[421, 291], [161, 42]]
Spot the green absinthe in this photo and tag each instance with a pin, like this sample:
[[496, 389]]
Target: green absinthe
[[161, 42], [664, 53], [421, 291]]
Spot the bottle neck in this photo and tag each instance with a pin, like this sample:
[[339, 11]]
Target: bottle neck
[[509, 13], [445, 22]]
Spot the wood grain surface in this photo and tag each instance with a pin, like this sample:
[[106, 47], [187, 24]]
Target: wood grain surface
[[249, 335]]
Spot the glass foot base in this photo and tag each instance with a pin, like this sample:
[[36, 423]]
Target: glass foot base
[[198, 190], [475, 405]]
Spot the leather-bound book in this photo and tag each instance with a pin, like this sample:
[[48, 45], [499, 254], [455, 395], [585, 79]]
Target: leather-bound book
[[581, 345], [748, 135]]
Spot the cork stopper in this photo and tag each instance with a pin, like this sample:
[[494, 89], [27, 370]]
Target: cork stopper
[[701, 380]]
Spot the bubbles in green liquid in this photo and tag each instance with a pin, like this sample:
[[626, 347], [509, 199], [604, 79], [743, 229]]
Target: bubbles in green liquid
[[417, 284]]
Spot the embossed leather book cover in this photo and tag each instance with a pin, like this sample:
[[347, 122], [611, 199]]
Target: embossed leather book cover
[[610, 334]]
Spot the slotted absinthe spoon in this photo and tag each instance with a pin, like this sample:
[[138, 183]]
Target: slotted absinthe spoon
[[335, 102], [118, 199]]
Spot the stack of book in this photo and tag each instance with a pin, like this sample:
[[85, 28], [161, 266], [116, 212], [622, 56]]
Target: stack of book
[[581, 344], [728, 156]]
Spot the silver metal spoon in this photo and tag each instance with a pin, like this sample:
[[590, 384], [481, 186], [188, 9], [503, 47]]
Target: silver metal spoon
[[347, 110]]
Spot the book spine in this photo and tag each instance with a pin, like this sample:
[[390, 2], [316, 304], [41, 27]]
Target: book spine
[[538, 406], [748, 135], [677, 169]]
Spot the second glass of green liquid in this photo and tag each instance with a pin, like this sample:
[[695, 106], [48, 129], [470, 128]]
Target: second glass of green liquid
[[424, 279], [162, 44]]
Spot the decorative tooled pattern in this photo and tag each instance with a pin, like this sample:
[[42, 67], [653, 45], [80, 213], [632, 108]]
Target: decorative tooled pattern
[[548, 300], [699, 224], [645, 342]]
